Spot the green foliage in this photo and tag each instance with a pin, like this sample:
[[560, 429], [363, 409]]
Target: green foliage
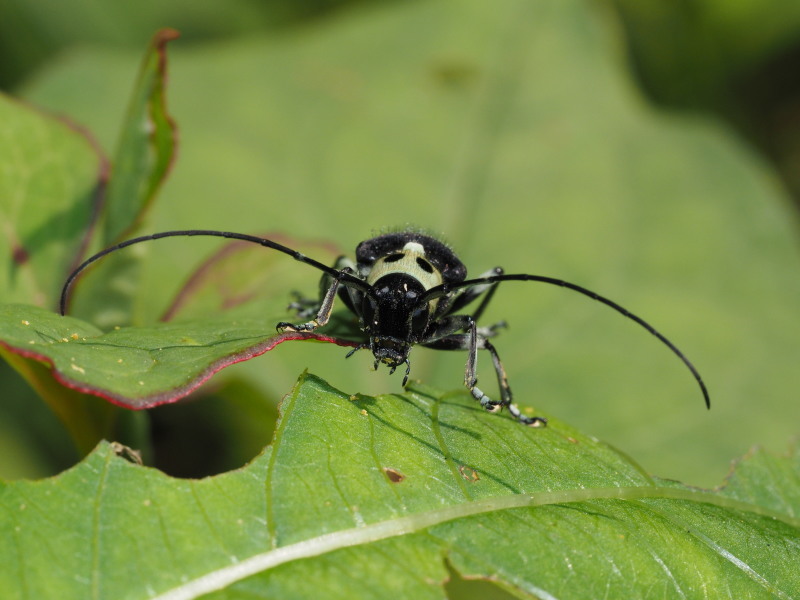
[[55, 193], [136, 367], [48, 182], [735, 59], [514, 130], [34, 31], [146, 147], [696, 53], [380, 493]]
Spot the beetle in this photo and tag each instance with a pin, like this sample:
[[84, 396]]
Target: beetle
[[407, 288]]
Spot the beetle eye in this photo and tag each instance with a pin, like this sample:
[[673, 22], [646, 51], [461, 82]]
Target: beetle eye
[[393, 257], [419, 320], [368, 309], [424, 265]]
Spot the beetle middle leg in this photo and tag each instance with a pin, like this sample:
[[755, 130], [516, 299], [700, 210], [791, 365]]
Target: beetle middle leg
[[472, 341], [304, 307]]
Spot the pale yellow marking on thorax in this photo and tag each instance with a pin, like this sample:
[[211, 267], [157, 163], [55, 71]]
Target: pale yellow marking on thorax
[[408, 265]]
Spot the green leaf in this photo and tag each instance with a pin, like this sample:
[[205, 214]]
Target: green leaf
[[697, 55], [34, 30], [370, 495], [516, 130], [138, 367], [52, 190], [51, 179], [144, 155], [146, 146], [86, 419], [241, 276]]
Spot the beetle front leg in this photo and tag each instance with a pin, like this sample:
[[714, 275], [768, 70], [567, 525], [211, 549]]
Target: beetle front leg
[[470, 372], [323, 314]]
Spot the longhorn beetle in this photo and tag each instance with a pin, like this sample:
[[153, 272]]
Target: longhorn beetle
[[407, 288]]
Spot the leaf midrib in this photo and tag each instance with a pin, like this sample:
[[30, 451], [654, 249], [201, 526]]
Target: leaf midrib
[[381, 530]]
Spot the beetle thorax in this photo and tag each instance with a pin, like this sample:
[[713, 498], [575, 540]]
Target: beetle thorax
[[409, 261]]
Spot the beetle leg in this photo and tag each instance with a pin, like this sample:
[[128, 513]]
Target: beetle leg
[[304, 307], [472, 341], [323, 314], [320, 309]]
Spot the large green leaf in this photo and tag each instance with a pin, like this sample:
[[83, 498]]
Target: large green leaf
[[365, 497], [53, 192], [137, 367], [51, 180], [513, 128]]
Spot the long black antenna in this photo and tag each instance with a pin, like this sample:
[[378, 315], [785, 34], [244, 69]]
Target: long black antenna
[[345, 278], [441, 290]]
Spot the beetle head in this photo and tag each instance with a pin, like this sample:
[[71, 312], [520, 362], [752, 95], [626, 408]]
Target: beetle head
[[394, 319]]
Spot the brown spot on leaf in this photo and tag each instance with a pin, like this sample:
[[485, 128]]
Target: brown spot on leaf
[[19, 254], [468, 473], [394, 475]]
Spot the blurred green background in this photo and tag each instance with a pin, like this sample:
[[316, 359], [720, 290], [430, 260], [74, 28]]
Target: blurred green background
[[646, 150]]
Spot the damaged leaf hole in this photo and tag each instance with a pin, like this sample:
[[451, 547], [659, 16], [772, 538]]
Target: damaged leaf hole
[[468, 473]]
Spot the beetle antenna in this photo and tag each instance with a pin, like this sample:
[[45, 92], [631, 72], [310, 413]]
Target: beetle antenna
[[445, 288], [346, 279]]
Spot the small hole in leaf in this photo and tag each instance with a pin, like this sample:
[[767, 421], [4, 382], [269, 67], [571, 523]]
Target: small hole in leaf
[[213, 431], [468, 473]]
